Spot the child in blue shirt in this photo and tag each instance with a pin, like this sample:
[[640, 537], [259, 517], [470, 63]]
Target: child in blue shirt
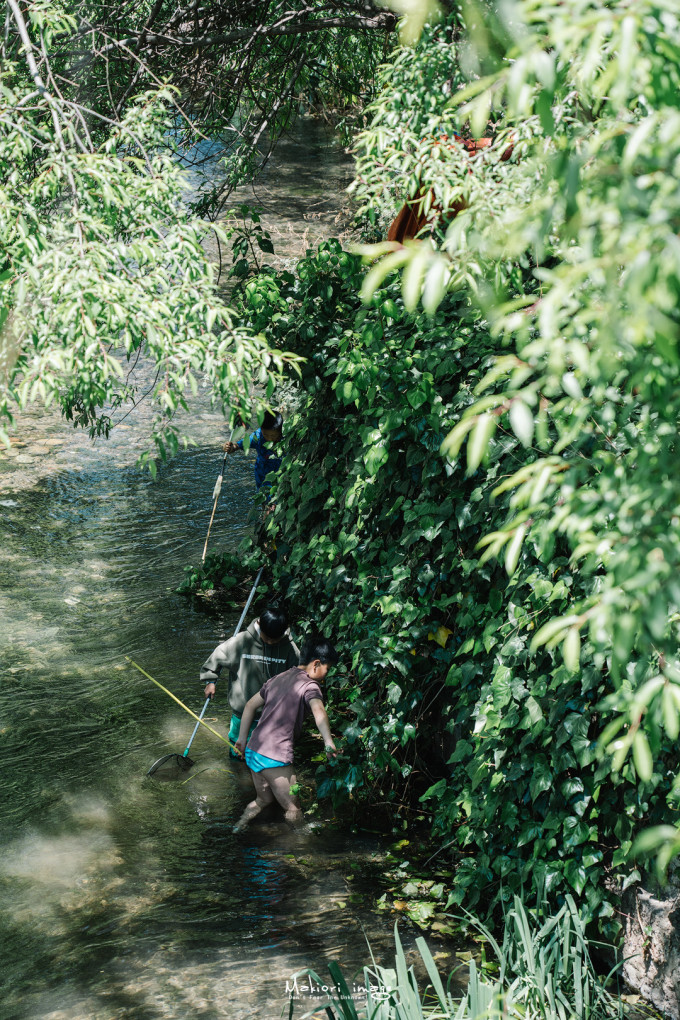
[[271, 431]]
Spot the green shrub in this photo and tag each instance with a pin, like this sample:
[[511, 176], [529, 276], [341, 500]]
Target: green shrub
[[442, 704]]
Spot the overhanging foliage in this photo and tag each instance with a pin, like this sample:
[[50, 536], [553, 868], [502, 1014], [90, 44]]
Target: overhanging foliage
[[572, 256], [492, 531], [106, 292]]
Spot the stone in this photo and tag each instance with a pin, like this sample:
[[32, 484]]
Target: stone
[[651, 948]]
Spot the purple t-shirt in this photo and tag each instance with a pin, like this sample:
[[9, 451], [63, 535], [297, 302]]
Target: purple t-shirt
[[286, 703]]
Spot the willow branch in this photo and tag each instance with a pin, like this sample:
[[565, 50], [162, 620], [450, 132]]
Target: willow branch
[[384, 20], [49, 98]]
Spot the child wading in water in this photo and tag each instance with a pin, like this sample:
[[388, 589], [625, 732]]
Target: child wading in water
[[285, 700]]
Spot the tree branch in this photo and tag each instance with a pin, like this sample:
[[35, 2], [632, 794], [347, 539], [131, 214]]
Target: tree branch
[[384, 20]]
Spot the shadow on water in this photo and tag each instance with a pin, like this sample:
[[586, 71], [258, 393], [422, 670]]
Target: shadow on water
[[135, 899]]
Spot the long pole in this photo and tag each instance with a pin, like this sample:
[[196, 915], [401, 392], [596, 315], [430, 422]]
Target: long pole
[[200, 720], [216, 496], [238, 627], [182, 705], [250, 599]]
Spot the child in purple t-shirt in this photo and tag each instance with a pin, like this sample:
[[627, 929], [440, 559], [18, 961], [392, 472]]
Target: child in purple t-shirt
[[285, 700]]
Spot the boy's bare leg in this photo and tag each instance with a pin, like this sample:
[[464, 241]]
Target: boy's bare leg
[[263, 797], [280, 781]]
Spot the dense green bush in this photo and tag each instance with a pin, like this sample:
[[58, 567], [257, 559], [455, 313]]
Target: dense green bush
[[568, 248], [440, 702], [480, 498]]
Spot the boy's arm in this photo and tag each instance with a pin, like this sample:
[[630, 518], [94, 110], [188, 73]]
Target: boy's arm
[[227, 654], [257, 701], [322, 724], [230, 447]]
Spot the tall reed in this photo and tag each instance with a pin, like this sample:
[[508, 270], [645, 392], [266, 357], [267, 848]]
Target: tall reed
[[545, 972]]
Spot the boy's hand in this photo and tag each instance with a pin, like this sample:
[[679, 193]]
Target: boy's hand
[[210, 691], [331, 751], [238, 746], [229, 447]]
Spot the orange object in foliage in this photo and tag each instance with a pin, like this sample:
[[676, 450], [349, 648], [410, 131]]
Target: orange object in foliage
[[409, 221]]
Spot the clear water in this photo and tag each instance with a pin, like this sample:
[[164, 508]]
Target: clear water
[[123, 897]]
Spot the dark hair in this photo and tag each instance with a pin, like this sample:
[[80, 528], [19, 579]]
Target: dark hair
[[274, 622], [272, 420], [318, 647]]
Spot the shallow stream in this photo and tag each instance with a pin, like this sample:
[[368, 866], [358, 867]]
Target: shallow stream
[[123, 897]]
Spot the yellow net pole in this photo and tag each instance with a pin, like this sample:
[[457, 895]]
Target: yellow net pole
[[182, 705]]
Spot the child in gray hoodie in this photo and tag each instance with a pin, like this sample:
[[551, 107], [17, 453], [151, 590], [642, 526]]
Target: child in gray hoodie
[[251, 658]]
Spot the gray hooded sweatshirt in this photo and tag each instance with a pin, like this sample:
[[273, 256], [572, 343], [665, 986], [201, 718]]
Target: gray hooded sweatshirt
[[250, 663]]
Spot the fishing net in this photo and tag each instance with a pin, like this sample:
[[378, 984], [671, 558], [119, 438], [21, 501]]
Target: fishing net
[[170, 766]]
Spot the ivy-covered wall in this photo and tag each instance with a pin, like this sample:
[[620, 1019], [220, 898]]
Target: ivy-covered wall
[[441, 706]]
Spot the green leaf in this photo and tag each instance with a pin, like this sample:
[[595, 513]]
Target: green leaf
[[522, 421], [619, 750], [514, 548], [544, 110], [571, 649], [456, 437], [652, 839], [434, 287], [483, 430], [551, 630], [671, 718], [376, 456], [381, 270], [642, 756], [415, 270]]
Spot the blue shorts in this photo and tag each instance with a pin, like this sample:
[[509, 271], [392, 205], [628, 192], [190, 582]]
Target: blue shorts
[[257, 762], [234, 730]]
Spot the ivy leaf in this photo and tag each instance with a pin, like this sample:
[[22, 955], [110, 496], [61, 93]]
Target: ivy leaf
[[441, 635], [376, 456]]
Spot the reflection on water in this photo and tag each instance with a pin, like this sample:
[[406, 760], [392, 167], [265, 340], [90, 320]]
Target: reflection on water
[[301, 190], [121, 897]]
